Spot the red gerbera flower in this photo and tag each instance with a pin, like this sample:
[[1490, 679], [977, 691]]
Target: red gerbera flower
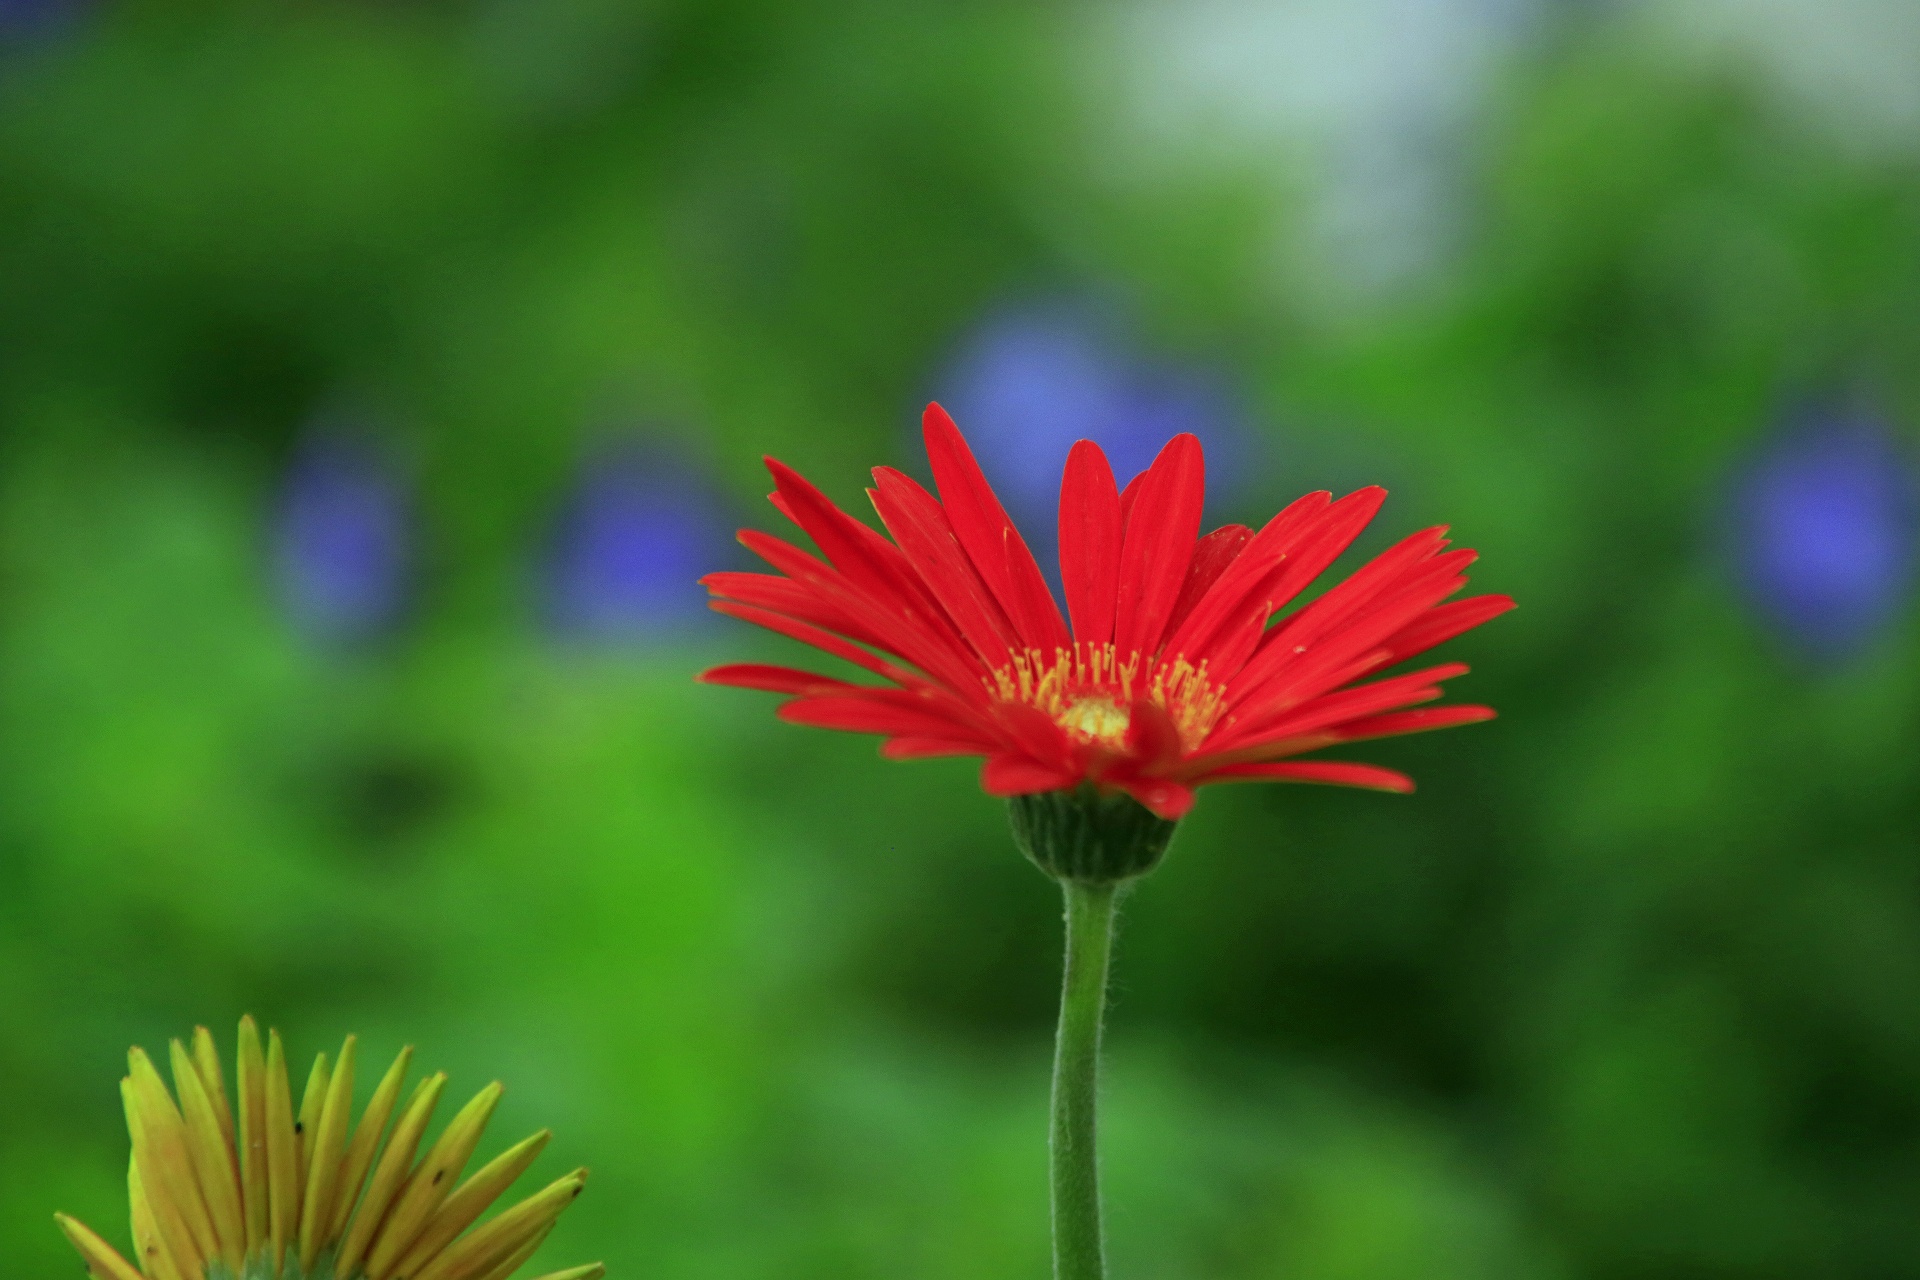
[[1167, 671]]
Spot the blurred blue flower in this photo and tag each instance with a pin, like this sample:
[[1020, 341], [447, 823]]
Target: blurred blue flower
[[1030, 381], [636, 535], [1825, 531], [343, 541], [30, 18]]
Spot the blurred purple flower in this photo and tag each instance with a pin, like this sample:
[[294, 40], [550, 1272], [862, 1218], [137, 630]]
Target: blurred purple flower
[[1030, 381], [35, 17], [635, 537], [1825, 530], [343, 541]]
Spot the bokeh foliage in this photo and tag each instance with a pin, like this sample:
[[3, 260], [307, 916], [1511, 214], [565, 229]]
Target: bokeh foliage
[[1631, 988]]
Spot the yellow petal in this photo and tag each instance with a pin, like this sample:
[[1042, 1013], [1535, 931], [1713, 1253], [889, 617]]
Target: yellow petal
[[309, 1119], [206, 1060], [366, 1139], [432, 1181], [144, 1185], [242, 1183], [102, 1261], [252, 1084], [389, 1176], [146, 1242], [212, 1159], [329, 1141], [464, 1206], [475, 1254], [283, 1178], [518, 1258], [160, 1144]]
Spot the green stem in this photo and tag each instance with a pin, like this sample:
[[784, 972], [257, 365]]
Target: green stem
[[1077, 1244]]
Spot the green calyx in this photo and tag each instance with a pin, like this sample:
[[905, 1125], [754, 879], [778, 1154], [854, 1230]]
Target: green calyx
[[260, 1267], [1085, 836]]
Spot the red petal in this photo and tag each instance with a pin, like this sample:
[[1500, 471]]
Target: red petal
[[888, 622], [754, 675], [1159, 544], [1089, 542], [919, 524], [889, 711], [907, 748], [1395, 723], [1369, 581], [1014, 775], [1322, 543], [1338, 773], [823, 640], [1442, 623], [1225, 601], [1127, 496], [1228, 654], [862, 556], [1352, 701], [1031, 599], [877, 547], [784, 595], [1293, 549], [1332, 661], [991, 542], [1034, 731], [1328, 712], [1166, 798], [1213, 555], [1289, 670], [782, 555], [1153, 743]]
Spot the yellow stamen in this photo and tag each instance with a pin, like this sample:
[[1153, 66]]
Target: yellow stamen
[[1089, 690], [1096, 719]]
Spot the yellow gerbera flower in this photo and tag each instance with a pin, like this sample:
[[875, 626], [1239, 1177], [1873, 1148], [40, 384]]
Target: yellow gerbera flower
[[265, 1193]]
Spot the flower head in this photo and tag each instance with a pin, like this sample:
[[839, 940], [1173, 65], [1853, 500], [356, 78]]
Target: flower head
[[254, 1190], [1167, 670]]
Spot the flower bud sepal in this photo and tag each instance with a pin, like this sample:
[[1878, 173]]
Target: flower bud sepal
[[1088, 836]]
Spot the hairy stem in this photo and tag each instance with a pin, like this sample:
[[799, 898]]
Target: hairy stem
[[1077, 1242]]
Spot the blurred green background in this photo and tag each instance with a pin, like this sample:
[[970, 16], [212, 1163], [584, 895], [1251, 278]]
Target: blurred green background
[[375, 377]]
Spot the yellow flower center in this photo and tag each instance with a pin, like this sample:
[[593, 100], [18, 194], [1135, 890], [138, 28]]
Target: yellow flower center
[[1096, 719], [1089, 690]]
